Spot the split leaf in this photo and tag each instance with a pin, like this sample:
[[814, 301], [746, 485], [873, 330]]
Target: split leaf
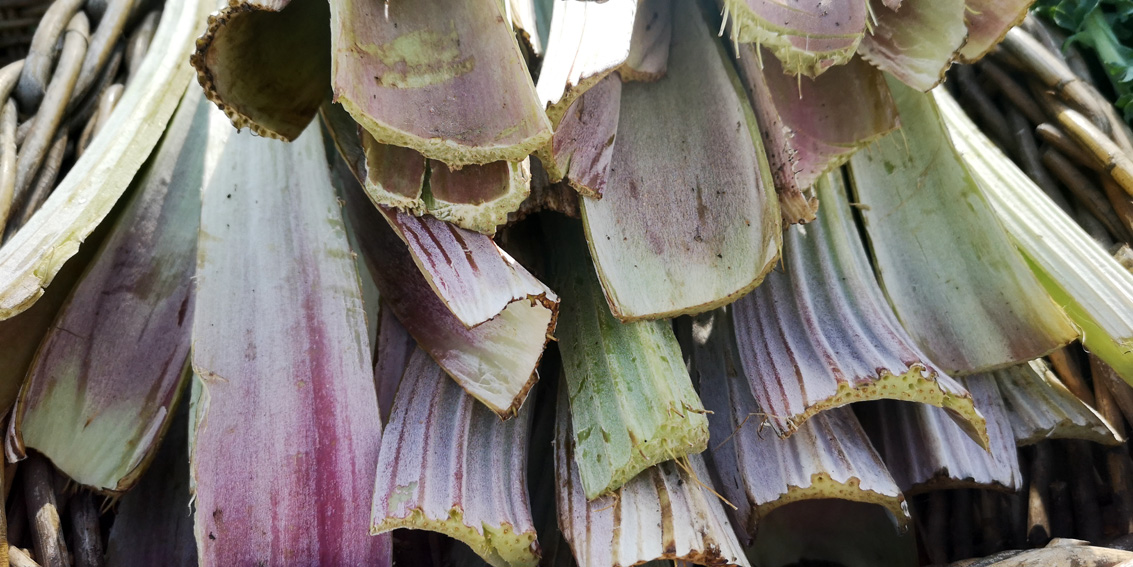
[[666, 512], [266, 64], [31, 258], [287, 427], [101, 392], [924, 450], [807, 37], [1081, 276], [951, 274], [1041, 407], [476, 289], [631, 399], [444, 77], [918, 42], [689, 220], [820, 334], [450, 465]]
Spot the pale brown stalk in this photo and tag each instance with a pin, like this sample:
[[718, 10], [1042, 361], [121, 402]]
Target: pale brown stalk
[[1071, 375], [7, 159], [1084, 490], [106, 103], [42, 186], [1038, 515], [1058, 139], [19, 558], [992, 120], [43, 512], [1122, 203], [1029, 159], [1106, 405], [9, 75], [138, 43], [1086, 191], [1094, 141], [51, 109], [1013, 91], [33, 79], [1120, 391], [102, 44]]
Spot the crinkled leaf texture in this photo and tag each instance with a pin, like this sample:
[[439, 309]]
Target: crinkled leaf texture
[[820, 334], [828, 457], [666, 512], [450, 465], [924, 450], [482, 316], [1041, 407]]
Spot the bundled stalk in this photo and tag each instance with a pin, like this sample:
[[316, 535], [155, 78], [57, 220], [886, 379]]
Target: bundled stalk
[[31, 258]]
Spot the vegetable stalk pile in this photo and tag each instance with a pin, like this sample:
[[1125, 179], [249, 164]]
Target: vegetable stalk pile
[[522, 282]]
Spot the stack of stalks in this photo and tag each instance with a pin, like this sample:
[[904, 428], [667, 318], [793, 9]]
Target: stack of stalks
[[1042, 106], [63, 68], [1038, 100], [54, 99]]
